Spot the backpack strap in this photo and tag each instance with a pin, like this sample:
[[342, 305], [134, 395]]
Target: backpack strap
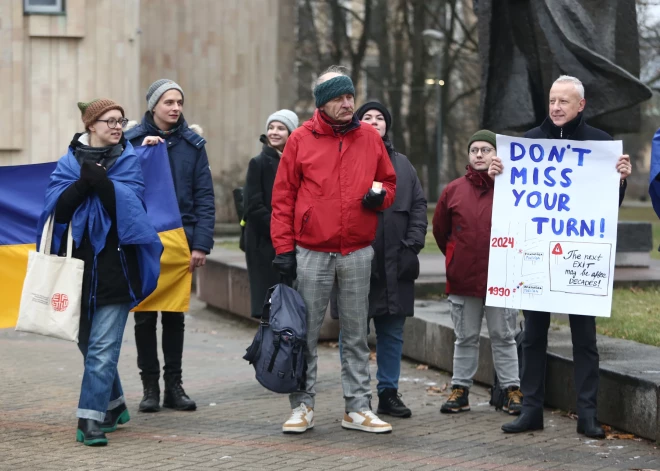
[[265, 310], [276, 342]]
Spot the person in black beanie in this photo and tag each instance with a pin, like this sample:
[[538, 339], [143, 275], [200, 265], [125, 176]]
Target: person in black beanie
[[395, 266]]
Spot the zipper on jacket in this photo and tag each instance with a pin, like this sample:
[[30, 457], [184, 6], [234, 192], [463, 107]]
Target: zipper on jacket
[[341, 142], [561, 132], [124, 266]]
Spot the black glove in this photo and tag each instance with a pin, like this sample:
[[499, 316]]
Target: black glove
[[91, 173], [286, 265], [373, 200]]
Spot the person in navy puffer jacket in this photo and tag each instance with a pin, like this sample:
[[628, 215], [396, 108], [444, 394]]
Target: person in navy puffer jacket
[[193, 184]]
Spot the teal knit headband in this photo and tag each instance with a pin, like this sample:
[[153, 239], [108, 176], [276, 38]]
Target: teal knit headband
[[336, 86]]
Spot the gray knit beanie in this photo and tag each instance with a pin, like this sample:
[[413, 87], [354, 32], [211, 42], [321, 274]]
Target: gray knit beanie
[[157, 89], [286, 117]]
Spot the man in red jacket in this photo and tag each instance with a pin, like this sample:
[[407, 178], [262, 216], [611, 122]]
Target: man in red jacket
[[333, 178], [461, 227]]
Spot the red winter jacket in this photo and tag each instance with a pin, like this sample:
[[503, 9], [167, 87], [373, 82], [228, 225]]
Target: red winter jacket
[[461, 227], [318, 190]]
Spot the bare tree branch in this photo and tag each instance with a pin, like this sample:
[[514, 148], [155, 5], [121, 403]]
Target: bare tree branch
[[461, 96]]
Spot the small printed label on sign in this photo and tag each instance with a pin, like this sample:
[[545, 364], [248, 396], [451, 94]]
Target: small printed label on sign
[[533, 257], [532, 289], [556, 250]]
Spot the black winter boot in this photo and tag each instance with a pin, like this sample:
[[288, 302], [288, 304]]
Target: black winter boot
[[175, 396], [390, 403], [527, 421], [590, 427], [151, 399], [89, 433]]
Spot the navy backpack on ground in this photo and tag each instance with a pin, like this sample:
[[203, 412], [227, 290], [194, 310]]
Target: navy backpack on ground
[[278, 350]]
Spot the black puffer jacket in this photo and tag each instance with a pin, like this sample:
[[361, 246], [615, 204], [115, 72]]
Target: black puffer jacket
[[112, 286]]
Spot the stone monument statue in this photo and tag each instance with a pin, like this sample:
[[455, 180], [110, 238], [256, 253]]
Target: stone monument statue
[[526, 44]]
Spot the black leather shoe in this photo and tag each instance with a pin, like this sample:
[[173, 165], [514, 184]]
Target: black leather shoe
[[89, 433], [117, 416], [390, 403], [590, 427], [151, 399], [175, 396], [526, 422]]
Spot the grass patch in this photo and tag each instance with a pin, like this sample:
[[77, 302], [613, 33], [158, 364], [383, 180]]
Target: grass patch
[[635, 316]]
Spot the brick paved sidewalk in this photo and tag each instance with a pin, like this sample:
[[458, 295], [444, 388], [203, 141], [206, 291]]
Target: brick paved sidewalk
[[238, 423]]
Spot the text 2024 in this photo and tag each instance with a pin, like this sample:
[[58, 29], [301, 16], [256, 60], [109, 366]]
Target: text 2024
[[505, 242]]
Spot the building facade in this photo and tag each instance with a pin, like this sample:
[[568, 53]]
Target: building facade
[[233, 58]]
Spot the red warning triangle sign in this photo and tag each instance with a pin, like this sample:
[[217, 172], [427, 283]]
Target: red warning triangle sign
[[557, 250]]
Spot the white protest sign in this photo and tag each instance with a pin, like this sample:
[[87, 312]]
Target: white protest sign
[[553, 238]]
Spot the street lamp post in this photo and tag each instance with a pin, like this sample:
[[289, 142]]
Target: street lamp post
[[435, 48]]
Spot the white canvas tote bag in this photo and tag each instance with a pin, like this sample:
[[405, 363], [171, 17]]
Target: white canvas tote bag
[[52, 290]]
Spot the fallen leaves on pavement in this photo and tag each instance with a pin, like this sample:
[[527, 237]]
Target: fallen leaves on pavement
[[434, 390], [422, 367], [620, 436]]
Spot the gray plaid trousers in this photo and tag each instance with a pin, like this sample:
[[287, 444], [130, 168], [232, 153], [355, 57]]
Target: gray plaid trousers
[[316, 277]]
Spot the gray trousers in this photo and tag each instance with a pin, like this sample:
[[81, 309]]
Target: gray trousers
[[316, 276], [467, 314]]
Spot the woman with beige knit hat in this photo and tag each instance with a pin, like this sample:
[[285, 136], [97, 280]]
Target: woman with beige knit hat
[[97, 189]]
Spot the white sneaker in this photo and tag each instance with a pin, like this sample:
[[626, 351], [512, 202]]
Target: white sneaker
[[366, 421], [302, 418]]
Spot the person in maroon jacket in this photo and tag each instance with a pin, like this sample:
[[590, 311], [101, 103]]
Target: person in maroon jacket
[[461, 227], [334, 176]]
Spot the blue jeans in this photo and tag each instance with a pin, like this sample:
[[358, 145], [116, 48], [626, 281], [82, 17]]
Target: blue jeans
[[99, 340], [389, 349]]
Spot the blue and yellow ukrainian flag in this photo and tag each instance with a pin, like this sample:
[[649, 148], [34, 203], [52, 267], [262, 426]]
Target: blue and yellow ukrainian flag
[[22, 191]]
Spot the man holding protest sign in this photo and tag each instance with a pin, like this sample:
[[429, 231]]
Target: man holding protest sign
[[565, 121]]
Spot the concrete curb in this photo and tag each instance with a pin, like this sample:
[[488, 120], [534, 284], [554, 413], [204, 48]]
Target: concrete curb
[[628, 397]]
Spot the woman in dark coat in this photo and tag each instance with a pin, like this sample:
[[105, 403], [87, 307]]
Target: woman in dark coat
[[259, 252], [395, 267]]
